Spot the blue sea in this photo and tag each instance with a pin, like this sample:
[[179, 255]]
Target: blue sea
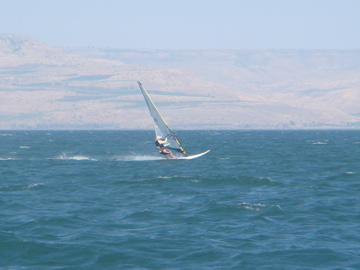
[[108, 200]]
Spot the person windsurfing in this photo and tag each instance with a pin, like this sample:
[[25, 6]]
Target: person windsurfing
[[160, 144]]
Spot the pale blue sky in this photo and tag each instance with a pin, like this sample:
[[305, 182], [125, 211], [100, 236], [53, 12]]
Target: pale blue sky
[[186, 24]]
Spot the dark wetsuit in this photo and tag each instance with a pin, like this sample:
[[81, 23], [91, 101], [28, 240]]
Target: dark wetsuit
[[158, 144]]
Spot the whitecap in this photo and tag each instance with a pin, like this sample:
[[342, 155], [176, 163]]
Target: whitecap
[[319, 142], [29, 186], [81, 158], [267, 178], [165, 177], [196, 180], [64, 156], [249, 206]]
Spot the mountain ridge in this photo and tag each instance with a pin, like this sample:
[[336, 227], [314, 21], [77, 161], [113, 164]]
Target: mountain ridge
[[46, 87]]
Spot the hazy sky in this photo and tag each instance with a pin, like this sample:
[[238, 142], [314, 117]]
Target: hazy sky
[[186, 24]]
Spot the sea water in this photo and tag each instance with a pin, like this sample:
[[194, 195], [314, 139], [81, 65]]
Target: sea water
[[108, 200]]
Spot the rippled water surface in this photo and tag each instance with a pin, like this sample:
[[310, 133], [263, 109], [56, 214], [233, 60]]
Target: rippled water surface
[[107, 200]]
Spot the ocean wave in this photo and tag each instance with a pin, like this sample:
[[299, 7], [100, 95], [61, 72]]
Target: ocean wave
[[319, 143], [139, 158], [64, 156], [220, 181], [22, 187], [266, 210], [237, 180], [250, 206], [9, 158]]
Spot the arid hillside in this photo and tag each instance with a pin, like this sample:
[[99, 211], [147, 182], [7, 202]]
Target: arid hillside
[[46, 87]]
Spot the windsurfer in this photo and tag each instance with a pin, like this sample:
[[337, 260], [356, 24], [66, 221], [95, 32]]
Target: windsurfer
[[160, 144]]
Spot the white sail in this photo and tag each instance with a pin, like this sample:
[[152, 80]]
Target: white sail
[[161, 127]]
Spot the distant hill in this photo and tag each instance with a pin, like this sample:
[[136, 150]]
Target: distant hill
[[45, 87]]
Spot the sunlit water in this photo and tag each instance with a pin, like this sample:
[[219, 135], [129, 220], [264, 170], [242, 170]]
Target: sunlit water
[[108, 200]]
